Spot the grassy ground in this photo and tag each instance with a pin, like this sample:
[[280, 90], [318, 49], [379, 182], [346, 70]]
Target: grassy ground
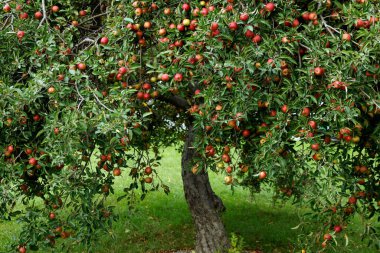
[[162, 223]]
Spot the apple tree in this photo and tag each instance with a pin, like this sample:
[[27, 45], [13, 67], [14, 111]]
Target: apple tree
[[277, 93]]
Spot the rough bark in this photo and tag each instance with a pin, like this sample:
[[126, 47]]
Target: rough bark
[[205, 206]]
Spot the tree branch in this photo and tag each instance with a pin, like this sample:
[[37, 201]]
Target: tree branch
[[177, 101], [44, 18], [80, 96], [329, 28], [97, 99]]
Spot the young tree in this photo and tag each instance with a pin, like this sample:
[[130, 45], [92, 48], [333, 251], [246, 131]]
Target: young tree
[[284, 93]]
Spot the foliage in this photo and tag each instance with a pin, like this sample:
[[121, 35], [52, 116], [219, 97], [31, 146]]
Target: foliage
[[237, 244], [283, 93]]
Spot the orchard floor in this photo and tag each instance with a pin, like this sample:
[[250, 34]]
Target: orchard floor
[[163, 223]]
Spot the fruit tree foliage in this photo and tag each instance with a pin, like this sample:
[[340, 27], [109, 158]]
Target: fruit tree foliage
[[283, 93]]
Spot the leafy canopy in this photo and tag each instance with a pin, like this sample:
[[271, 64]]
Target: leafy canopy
[[284, 93]]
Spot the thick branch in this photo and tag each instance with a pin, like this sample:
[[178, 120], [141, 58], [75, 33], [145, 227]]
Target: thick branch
[[177, 101]]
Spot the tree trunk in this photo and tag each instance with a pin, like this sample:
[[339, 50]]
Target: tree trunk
[[205, 206]]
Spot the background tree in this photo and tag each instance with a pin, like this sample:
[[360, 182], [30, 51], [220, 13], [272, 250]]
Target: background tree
[[284, 93]]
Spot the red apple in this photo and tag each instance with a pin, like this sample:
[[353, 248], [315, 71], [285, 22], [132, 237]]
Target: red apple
[[284, 108], [51, 216], [81, 66], [24, 15], [140, 95], [162, 32], [346, 37], [148, 180], [359, 23], [38, 15], [272, 113], [315, 146], [327, 237], [313, 16], [337, 229], [318, 71], [249, 34], [233, 26], [7, 8], [33, 161], [262, 175], [36, 117], [122, 70], [186, 7], [178, 77], [226, 158], [20, 34], [305, 112], [148, 170], [82, 13], [244, 17], [146, 96], [181, 27], [352, 200], [10, 149], [204, 11], [214, 26], [55, 8], [305, 16], [270, 7], [116, 172], [312, 124], [146, 86], [165, 77], [295, 23], [256, 39], [317, 156], [104, 41], [246, 133], [229, 169], [210, 151]]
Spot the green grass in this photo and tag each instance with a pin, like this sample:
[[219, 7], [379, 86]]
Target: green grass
[[163, 222]]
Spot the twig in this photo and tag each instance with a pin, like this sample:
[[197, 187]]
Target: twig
[[84, 41], [80, 95], [329, 28], [44, 18], [372, 100], [96, 16], [299, 58], [5, 22], [141, 64], [97, 99], [12, 23], [19, 155], [308, 48]]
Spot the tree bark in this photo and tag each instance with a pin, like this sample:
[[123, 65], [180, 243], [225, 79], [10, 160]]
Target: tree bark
[[205, 206]]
